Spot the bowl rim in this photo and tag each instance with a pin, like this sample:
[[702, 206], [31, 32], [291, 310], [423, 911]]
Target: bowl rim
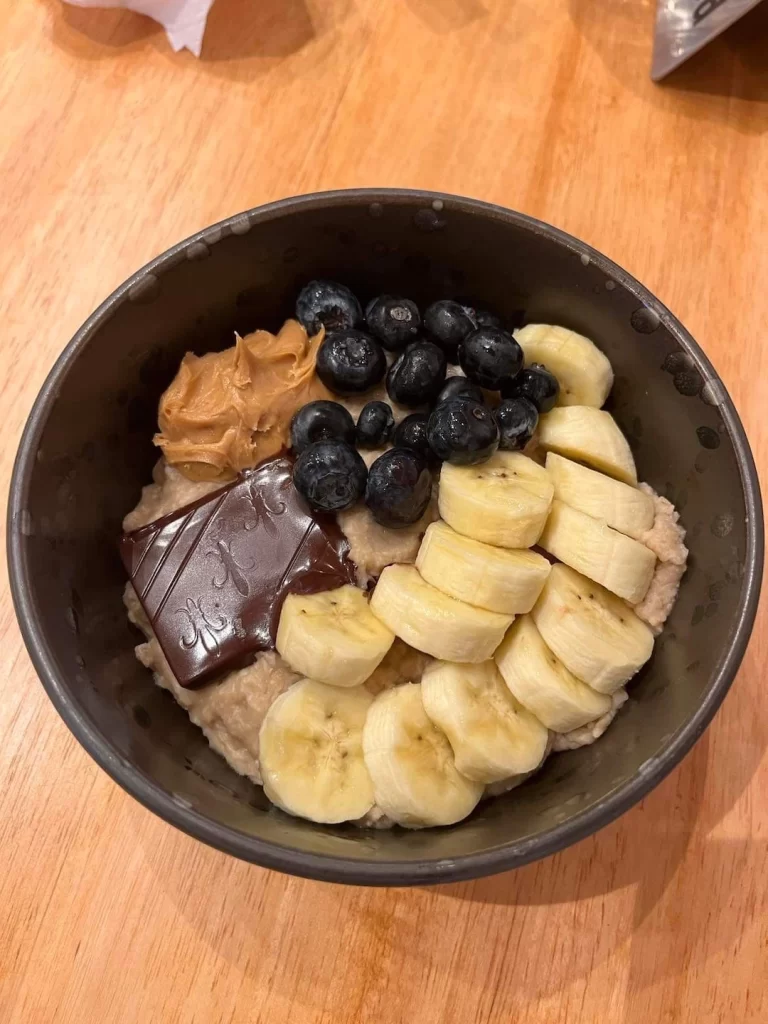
[[341, 868]]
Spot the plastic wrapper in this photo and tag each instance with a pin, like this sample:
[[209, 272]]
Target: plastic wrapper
[[183, 20], [683, 27]]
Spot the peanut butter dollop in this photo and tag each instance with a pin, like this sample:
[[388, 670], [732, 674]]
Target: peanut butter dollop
[[227, 411]]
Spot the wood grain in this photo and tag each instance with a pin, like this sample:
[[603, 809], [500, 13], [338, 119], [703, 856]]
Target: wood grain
[[111, 149]]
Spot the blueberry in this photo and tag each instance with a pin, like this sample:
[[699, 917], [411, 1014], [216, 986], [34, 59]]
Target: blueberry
[[350, 362], [462, 431], [447, 323], [393, 321], [537, 384], [412, 433], [399, 487], [517, 419], [321, 421], [417, 376], [485, 318], [490, 357], [330, 475], [482, 317], [456, 386], [375, 425], [327, 304]]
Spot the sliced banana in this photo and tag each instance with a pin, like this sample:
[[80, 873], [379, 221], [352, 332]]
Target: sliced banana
[[583, 371], [590, 435], [622, 565], [492, 735], [627, 509], [332, 637], [411, 764], [502, 580], [504, 501], [311, 752], [432, 622], [595, 634], [540, 681]]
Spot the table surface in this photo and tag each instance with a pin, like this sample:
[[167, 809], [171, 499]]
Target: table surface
[[113, 148]]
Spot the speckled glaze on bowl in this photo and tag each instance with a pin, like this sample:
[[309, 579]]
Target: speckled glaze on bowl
[[87, 450]]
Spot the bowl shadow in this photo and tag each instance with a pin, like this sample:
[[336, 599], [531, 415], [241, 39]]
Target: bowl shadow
[[645, 850], [94, 33], [610, 859], [694, 798], [443, 16]]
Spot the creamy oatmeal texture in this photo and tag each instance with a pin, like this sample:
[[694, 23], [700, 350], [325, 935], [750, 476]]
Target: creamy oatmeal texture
[[666, 539], [505, 785], [372, 547], [231, 410], [231, 711], [592, 731], [401, 664], [169, 491]]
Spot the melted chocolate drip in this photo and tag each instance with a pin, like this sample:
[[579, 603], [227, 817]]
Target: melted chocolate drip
[[212, 576]]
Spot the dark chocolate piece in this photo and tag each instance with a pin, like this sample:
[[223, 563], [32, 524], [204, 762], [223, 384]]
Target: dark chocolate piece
[[212, 577]]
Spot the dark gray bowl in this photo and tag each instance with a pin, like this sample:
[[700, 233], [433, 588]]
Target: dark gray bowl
[[87, 450]]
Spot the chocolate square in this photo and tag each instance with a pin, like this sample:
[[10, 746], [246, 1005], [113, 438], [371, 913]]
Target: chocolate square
[[212, 576]]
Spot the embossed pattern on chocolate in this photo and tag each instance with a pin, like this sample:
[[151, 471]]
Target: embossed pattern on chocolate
[[212, 576]]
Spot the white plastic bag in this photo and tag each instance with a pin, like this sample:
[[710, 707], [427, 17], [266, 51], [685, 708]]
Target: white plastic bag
[[183, 20]]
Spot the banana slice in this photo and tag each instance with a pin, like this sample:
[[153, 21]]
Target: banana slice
[[492, 735], [432, 622], [591, 436], [332, 637], [627, 509], [543, 684], [410, 761], [622, 565], [595, 634], [504, 501], [311, 752], [499, 579], [583, 371]]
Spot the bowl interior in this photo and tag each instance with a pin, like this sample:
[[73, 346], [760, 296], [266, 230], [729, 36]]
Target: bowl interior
[[88, 452]]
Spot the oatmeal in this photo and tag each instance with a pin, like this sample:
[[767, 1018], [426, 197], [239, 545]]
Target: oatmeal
[[372, 546], [666, 539], [171, 490], [292, 605], [592, 731]]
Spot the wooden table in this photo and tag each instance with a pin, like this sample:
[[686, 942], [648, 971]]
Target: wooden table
[[112, 148]]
